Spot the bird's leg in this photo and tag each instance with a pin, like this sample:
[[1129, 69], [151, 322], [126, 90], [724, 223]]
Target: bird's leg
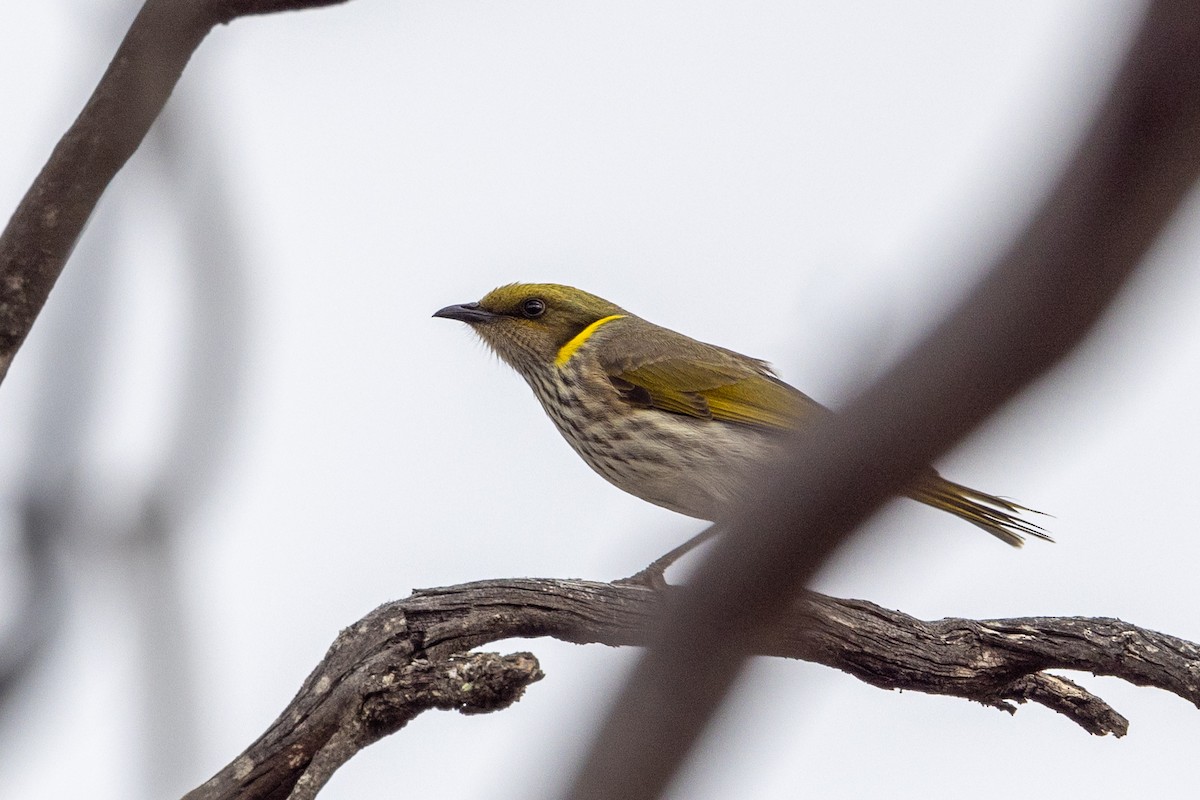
[[653, 575]]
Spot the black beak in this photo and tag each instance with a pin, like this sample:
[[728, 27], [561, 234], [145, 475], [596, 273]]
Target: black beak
[[469, 313]]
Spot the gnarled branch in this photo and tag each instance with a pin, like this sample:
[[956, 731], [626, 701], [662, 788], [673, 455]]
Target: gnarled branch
[[1131, 171], [410, 655]]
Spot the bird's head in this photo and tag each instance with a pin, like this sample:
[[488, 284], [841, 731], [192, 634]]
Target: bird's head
[[528, 323]]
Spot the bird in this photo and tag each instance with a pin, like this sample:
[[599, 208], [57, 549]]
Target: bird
[[670, 419]]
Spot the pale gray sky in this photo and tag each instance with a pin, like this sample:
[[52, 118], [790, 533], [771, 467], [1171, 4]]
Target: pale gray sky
[[809, 183]]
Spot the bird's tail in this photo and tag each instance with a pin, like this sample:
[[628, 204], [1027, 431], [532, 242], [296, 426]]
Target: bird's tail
[[999, 517]]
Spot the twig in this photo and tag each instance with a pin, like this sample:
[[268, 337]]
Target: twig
[[406, 657]]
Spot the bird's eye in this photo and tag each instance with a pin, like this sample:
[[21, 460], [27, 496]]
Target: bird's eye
[[533, 308]]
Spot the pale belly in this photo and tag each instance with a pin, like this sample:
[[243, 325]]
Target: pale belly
[[689, 465]]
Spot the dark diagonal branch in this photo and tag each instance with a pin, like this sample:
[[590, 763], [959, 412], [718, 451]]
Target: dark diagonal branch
[[43, 230], [407, 656], [1132, 170]]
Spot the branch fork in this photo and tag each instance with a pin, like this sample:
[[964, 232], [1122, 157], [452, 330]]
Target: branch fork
[[412, 655]]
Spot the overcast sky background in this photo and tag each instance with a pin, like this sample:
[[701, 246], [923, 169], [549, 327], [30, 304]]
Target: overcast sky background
[[810, 183]]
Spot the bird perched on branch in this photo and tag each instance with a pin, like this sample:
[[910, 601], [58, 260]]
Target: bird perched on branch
[[667, 418]]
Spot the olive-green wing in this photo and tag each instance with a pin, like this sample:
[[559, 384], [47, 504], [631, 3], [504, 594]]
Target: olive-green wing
[[659, 368], [662, 369]]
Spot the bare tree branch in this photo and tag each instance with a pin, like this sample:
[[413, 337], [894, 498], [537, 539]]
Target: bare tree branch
[[1130, 173], [43, 230], [391, 695], [406, 657], [377, 675], [1136, 163]]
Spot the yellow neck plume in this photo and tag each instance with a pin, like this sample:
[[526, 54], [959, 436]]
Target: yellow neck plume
[[567, 350]]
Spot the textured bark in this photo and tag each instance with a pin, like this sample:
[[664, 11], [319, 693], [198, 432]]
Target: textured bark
[[1137, 162], [1134, 166], [408, 656]]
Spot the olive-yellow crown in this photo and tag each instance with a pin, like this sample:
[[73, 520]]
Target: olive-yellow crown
[[527, 324]]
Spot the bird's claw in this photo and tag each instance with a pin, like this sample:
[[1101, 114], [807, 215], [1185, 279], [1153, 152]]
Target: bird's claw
[[651, 577]]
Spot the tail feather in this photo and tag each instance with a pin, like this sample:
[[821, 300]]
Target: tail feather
[[999, 517]]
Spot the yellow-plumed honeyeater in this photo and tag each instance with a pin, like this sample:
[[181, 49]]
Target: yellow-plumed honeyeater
[[667, 418]]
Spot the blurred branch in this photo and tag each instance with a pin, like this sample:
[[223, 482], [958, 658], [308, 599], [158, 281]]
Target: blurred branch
[[43, 230], [182, 149], [1127, 178], [58, 506], [52, 501], [407, 656], [1132, 170]]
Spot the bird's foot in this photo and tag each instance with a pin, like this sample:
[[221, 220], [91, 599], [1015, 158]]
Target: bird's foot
[[652, 578]]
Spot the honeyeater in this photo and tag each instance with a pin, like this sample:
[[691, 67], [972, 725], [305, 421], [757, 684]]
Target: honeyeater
[[663, 416]]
